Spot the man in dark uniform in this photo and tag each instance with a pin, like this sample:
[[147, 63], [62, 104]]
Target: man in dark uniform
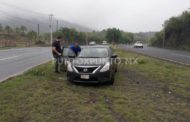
[[57, 52]]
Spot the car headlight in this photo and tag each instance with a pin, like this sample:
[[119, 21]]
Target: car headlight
[[69, 67], [106, 67]]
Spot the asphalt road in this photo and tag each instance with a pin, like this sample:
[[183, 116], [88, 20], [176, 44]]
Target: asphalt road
[[181, 57], [16, 61]]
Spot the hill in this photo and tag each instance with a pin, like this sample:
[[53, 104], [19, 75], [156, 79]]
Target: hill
[[176, 33], [16, 17]]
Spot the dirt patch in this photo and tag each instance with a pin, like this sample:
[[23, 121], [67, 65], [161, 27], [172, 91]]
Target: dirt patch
[[138, 80], [92, 99], [118, 116]]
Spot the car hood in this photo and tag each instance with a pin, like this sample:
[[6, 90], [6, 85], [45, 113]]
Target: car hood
[[89, 61]]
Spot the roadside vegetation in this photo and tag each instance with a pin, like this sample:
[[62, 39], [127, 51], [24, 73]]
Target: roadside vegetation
[[25, 37], [111, 35], [175, 33], [19, 37], [150, 91]]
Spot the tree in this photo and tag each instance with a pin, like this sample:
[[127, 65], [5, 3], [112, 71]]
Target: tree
[[18, 30], [113, 35], [8, 29], [23, 29], [155, 41], [176, 33], [32, 34], [1, 28], [127, 38], [70, 35]]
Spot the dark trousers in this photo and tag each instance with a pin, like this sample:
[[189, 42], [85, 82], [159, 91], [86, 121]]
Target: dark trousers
[[57, 60]]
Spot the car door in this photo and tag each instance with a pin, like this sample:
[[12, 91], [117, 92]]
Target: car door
[[68, 56]]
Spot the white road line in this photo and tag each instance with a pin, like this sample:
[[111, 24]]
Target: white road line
[[181, 55], [2, 59]]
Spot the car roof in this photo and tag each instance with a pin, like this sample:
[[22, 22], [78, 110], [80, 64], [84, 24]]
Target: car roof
[[93, 46]]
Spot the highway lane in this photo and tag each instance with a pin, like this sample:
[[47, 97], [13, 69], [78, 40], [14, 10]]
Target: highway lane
[[182, 57], [16, 61]]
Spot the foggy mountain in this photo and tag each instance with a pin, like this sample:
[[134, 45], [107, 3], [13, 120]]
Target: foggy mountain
[[16, 17]]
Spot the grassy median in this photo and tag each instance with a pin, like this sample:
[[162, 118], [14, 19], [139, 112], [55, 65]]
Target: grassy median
[[150, 91]]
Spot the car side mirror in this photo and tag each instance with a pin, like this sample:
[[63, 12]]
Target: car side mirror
[[114, 56]]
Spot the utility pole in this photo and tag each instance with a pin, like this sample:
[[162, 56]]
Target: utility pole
[[50, 26], [38, 31], [86, 38], [57, 25], [164, 37]]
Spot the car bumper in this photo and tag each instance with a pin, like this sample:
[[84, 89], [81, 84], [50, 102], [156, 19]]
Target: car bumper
[[93, 78], [138, 46]]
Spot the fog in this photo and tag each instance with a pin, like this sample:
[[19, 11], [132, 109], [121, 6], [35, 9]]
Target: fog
[[128, 15]]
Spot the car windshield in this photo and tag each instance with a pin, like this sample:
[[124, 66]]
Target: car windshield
[[68, 52], [94, 53]]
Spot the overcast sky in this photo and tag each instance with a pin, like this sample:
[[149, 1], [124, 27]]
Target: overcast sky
[[128, 15]]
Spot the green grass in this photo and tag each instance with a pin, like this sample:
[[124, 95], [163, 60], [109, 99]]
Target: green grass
[[175, 77], [151, 91], [4, 48]]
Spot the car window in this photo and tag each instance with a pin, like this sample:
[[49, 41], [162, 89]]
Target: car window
[[68, 52]]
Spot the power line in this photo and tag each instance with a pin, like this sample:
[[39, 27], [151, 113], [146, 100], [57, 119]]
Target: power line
[[11, 22], [57, 25], [38, 30], [19, 21], [17, 18], [20, 9], [4, 4]]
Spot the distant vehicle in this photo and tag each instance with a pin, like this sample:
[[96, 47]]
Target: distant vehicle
[[138, 44], [104, 43], [92, 43], [93, 65]]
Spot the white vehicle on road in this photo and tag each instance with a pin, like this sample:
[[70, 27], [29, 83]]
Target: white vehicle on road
[[92, 43], [138, 44], [104, 43]]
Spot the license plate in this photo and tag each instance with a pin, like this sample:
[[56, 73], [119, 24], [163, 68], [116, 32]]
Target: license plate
[[86, 77]]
